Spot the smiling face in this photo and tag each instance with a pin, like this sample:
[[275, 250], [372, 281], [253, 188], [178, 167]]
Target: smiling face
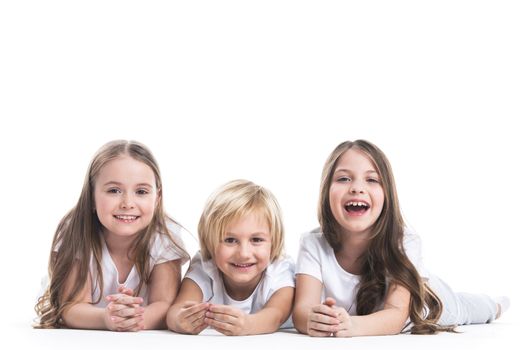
[[356, 193], [243, 254], [125, 196]]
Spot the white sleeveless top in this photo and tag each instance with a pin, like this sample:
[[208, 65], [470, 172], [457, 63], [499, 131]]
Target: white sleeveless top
[[162, 250]]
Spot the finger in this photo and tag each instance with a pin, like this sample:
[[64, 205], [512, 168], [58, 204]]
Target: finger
[[197, 317], [321, 327], [223, 309], [329, 302], [221, 317], [188, 311], [114, 307], [321, 318], [129, 323], [199, 329], [129, 312], [124, 290], [126, 299], [314, 333], [323, 309], [218, 325]]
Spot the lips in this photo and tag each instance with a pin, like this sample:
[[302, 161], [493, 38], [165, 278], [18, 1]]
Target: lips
[[242, 267], [126, 218], [356, 207]]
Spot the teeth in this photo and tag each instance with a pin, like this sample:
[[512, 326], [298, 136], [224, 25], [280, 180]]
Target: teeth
[[243, 265], [356, 204], [125, 217]]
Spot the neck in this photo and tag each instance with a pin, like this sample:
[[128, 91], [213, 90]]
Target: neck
[[118, 245], [238, 291], [353, 246]]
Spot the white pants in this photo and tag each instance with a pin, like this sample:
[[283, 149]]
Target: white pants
[[462, 308]]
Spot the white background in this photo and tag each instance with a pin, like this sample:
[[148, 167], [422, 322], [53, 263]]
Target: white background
[[265, 90]]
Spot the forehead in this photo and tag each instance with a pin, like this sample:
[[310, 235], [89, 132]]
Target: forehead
[[355, 160], [126, 170], [252, 222]]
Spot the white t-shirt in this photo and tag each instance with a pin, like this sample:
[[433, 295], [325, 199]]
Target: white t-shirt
[[207, 276], [162, 250], [317, 259]]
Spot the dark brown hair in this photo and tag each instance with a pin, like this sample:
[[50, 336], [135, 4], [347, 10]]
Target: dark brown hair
[[385, 258]]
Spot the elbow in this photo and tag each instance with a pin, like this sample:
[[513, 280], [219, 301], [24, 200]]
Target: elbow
[[298, 321]]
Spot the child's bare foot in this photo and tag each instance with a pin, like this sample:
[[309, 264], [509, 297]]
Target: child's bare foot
[[502, 304]]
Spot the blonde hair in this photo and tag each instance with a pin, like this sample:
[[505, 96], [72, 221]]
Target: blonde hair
[[230, 202], [77, 238], [385, 258]]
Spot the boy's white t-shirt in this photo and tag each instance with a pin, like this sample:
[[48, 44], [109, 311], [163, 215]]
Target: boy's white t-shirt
[[207, 276], [317, 259], [162, 250]]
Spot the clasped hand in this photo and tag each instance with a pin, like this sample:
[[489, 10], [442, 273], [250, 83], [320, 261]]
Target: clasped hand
[[327, 319], [124, 312]]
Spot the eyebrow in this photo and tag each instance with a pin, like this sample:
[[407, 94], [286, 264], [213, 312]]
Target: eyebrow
[[143, 184], [349, 171], [251, 234]]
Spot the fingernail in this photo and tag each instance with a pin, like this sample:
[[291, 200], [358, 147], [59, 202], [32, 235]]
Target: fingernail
[[112, 318]]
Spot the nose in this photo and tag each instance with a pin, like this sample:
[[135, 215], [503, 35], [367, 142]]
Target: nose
[[244, 250], [127, 202], [356, 187]]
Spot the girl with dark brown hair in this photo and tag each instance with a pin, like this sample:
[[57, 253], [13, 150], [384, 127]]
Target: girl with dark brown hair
[[361, 273]]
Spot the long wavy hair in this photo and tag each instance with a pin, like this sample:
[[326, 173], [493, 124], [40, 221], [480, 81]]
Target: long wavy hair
[[77, 239], [385, 258]]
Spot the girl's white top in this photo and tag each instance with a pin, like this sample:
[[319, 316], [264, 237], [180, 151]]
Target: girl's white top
[[207, 276], [317, 259], [162, 250]]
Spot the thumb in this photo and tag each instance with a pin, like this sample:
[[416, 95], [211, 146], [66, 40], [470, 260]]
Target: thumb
[[329, 302]]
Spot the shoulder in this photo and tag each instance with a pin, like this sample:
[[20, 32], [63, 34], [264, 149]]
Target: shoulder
[[200, 267], [314, 241], [411, 239], [169, 245], [280, 266]]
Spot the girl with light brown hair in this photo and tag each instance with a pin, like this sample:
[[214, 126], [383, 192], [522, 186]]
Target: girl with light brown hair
[[115, 260]]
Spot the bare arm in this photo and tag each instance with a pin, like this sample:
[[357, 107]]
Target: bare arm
[[163, 287], [82, 314], [122, 313], [274, 313], [186, 315], [388, 321], [308, 292], [232, 321]]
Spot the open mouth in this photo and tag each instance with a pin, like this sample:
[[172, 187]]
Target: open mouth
[[356, 207], [126, 218]]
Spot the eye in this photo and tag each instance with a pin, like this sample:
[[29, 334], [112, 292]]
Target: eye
[[230, 240], [343, 179], [372, 180], [114, 190], [258, 240], [142, 191]]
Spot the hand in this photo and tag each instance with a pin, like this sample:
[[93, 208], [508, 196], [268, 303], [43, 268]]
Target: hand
[[322, 320], [346, 326], [190, 318], [124, 312], [228, 320]]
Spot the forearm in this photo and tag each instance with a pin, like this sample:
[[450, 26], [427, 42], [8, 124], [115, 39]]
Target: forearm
[[300, 318], [155, 315], [384, 322], [267, 320], [84, 316]]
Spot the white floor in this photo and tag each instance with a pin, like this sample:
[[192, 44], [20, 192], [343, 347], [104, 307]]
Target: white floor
[[498, 335]]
